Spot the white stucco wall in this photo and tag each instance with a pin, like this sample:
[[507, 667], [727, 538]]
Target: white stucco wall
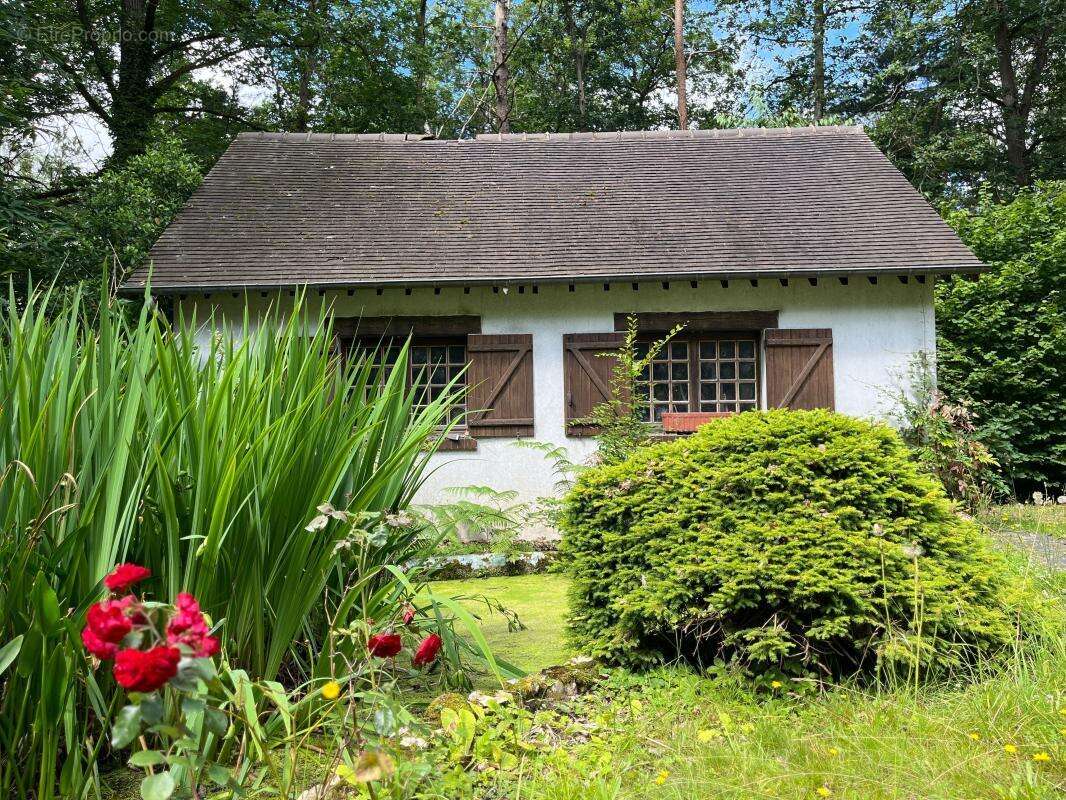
[[876, 329]]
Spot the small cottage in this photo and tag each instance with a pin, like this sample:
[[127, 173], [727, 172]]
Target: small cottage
[[800, 261]]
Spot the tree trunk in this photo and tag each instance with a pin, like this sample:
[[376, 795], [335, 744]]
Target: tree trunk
[[308, 58], [818, 55], [500, 72], [132, 101], [577, 49], [420, 67], [680, 62], [1014, 111]]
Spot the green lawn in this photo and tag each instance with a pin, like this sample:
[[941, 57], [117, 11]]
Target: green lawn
[[1050, 520], [673, 734], [539, 601]]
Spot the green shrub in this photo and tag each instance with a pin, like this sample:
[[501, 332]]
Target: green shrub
[[1002, 338], [800, 541]]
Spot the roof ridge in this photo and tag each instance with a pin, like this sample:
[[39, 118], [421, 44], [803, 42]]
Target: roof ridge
[[549, 136], [691, 133]]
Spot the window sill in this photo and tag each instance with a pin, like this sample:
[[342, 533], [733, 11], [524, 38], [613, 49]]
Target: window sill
[[457, 443]]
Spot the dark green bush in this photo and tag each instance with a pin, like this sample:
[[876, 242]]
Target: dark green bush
[[1002, 338], [800, 541]]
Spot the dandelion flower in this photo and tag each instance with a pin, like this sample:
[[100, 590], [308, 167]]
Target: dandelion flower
[[705, 736], [833, 751], [1010, 748], [776, 684], [975, 736], [331, 691], [660, 779], [1041, 756], [823, 791]]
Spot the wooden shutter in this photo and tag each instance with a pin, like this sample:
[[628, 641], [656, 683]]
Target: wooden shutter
[[587, 375], [500, 378], [799, 367]]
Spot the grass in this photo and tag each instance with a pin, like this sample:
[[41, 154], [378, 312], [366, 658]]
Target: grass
[[676, 735], [1049, 520], [540, 603], [672, 734]]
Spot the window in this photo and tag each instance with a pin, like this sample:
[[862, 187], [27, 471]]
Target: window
[[702, 372], [431, 365]]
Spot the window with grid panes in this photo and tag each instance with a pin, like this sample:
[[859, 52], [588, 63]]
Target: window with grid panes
[[702, 372], [432, 365]]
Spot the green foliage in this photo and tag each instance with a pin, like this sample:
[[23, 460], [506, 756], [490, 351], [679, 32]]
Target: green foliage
[[942, 437], [807, 543], [205, 461], [620, 421], [951, 135], [117, 220], [1002, 338]]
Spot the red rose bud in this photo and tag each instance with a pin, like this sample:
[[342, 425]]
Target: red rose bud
[[146, 670], [408, 614], [124, 576], [384, 645], [427, 651]]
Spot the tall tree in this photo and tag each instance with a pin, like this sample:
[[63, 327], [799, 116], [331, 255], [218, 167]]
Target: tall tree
[[501, 79], [966, 92], [576, 36], [818, 59], [610, 65], [132, 62], [680, 63], [807, 42]]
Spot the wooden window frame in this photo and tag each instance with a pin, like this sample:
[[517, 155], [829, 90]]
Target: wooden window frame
[[693, 338], [385, 342], [373, 332]]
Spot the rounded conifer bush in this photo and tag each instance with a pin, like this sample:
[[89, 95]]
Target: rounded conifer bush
[[801, 541]]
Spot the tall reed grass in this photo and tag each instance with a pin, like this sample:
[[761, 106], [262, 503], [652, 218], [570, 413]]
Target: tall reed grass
[[201, 453]]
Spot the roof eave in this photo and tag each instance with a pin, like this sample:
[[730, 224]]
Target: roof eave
[[501, 280]]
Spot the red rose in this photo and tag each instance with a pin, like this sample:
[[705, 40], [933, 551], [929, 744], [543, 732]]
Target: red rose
[[124, 576], [146, 670], [384, 645], [189, 628], [427, 651], [106, 624], [408, 614], [97, 646]]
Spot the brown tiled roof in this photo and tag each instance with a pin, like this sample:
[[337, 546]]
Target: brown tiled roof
[[341, 210]]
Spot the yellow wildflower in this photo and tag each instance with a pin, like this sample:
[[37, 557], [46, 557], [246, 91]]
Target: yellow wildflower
[[705, 735], [1010, 748], [776, 684], [331, 691], [1041, 756], [833, 751], [660, 779], [975, 736], [823, 791], [1062, 731]]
